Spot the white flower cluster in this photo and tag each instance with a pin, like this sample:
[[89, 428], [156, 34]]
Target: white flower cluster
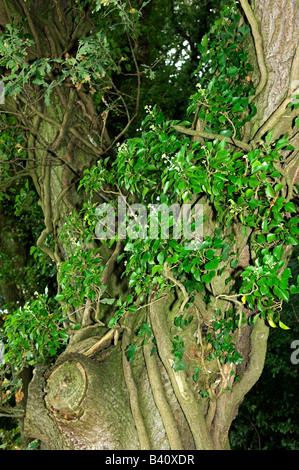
[[200, 90], [149, 109], [171, 162], [122, 147]]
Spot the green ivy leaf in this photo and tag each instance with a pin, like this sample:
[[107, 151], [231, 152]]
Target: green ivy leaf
[[232, 71], [278, 252], [213, 264], [265, 225], [281, 293], [269, 191], [271, 237], [283, 326], [209, 254], [179, 364], [107, 301], [289, 207], [196, 374], [131, 350], [146, 329], [208, 277]]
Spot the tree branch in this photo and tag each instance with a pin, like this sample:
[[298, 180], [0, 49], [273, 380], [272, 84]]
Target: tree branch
[[46, 205], [258, 42], [168, 275], [32, 27], [58, 125], [111, 262], [258, 339], [14, 413], [133, 392], [209, 135], [184, 394], [228, 402], [161, 399]]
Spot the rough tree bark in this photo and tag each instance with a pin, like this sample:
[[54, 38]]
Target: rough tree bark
[[94, 397]]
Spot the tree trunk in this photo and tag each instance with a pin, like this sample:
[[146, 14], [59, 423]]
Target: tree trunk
[[94, 397]]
